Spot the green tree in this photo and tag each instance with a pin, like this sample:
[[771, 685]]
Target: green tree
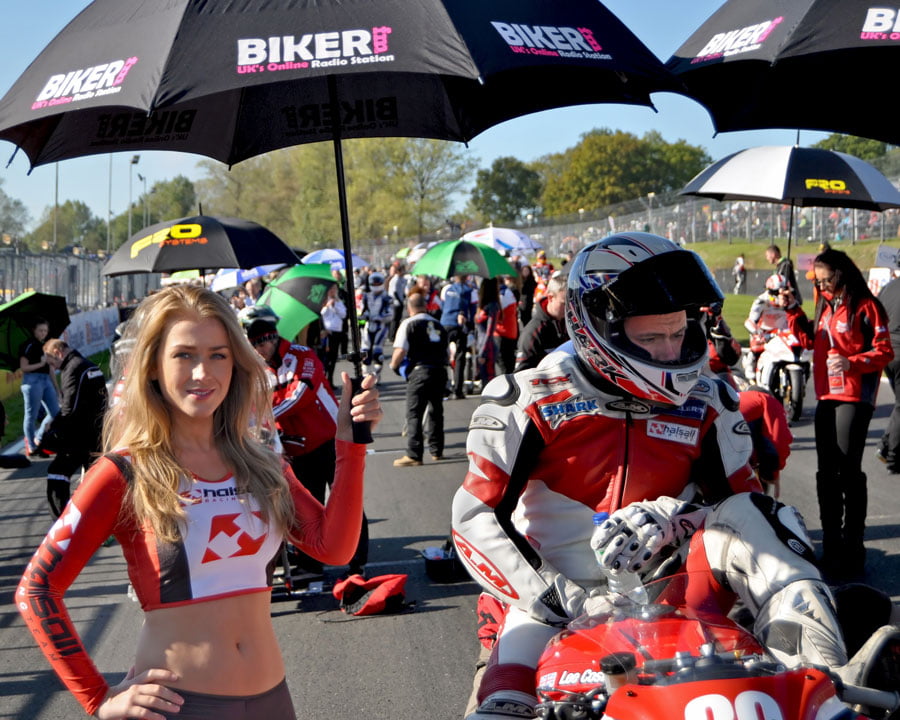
[[505, 192], [13, 216], [611, 166], [71, 224], [863, 148]]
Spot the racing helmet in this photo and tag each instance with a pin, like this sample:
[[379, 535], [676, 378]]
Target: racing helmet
[[635, 274], [258, 320], [376, 282], [775, 283]]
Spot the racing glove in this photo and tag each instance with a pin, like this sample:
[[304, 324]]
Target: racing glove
[[632, 536]]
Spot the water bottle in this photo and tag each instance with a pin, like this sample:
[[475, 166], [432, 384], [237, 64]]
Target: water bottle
[[627, 584], [835, 377]]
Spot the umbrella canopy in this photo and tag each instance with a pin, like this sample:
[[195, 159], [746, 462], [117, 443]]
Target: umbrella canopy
[[17, 318], [796, 176], [202, 241], [333, 257], [504, 239], [235, 277], [234, 80], [297, 297], [461, 257], [800, 64]]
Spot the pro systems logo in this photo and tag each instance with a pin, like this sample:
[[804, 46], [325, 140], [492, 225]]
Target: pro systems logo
[[737, 41], [551, 41], [314, 50], [84, 83]]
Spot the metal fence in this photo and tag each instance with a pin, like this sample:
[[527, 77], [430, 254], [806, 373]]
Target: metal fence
[[75, 276]]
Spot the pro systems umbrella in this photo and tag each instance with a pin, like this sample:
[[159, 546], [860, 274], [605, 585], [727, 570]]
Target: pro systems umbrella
[[234, 80], [297, 297], [17, 318], [805, 64], [201, 241], [798, 177], [461, 257]]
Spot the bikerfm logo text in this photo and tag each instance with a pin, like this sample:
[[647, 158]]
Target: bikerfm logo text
[[882, 23], [313, 50], [552, 41], [75, 85], [734, 42]]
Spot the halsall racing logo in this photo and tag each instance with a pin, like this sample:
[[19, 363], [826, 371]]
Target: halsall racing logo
[[734, 42], [84, 83], [313, 50], [675, 432], [233, 535], [551, 41]]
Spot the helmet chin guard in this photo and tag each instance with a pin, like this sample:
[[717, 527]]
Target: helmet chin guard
[[638, 274]]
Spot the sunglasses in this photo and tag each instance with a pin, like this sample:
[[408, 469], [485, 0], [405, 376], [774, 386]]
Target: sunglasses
[[825, 281], [263, 339]]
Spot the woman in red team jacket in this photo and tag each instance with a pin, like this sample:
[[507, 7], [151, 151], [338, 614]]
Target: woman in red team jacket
[[200, 505], [851, 345]]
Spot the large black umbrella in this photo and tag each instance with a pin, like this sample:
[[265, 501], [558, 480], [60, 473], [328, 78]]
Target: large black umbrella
[[233, 80], [796, 176], [202, 241], [17, 318], [804, 64]]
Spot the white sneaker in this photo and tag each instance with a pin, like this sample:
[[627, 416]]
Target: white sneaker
[[505, 704]]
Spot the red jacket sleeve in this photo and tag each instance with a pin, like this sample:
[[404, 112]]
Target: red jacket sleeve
[[756, 405], [330, 533], [90, 517]]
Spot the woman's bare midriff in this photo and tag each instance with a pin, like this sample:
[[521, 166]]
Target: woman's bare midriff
[[220, 647]]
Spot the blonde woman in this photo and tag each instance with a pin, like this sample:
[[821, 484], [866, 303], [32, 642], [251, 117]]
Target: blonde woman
[[200, 505]]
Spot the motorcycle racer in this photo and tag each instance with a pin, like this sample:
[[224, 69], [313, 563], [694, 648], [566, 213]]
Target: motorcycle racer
[[625, 413], [766, 315], [377, 310]]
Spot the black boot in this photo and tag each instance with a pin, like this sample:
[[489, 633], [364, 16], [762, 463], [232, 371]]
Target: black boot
[[831, 516], [853, 549]]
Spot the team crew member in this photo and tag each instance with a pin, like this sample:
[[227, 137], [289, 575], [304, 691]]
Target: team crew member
[[199, 505], [851, 346], [76, 432], [305, 411], [626, 416], [420, 352], [38, 387], [377, 310], [546, 330]]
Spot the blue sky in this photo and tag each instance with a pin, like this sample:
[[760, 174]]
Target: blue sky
[[661, 24]]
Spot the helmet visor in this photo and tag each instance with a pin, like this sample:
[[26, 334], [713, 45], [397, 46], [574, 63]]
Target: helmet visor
[[665, 283]]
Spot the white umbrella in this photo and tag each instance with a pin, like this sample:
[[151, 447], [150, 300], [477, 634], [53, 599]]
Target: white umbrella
[[503, 239], [333, 257], [804, 177], [418, 251], [235, 277]]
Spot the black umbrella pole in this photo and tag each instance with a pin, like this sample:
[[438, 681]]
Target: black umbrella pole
[[362, 431]]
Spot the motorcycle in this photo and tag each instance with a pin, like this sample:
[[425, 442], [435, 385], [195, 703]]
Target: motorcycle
[[783, 368], [660, 656]]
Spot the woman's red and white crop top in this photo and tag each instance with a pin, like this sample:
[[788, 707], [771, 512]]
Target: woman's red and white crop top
[[224, 550]]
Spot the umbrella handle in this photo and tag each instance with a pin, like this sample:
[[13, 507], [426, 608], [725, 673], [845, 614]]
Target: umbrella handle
[[362, 431]]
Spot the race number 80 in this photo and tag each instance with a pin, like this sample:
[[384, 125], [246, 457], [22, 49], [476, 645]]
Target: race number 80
[[749, 705]]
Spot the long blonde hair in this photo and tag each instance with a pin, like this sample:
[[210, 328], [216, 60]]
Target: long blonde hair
[[141, 423]]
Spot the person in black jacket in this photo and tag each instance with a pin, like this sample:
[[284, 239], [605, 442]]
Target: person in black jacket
[[75, 433], [547, 328]]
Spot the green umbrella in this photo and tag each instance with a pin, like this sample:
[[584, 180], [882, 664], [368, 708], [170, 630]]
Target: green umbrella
[[461, 257], [17, 318], [297, 296]]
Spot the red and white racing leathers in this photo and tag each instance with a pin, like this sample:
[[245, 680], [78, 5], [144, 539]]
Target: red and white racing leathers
[[303, 403], [547, 449]]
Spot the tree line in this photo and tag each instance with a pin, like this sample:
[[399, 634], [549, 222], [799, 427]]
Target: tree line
[[396, 188]]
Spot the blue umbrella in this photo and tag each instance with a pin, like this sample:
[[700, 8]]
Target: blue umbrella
[[333, 257], [235, 277]]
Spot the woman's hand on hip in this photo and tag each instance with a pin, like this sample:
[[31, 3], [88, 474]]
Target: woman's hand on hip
[[140, 696]]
